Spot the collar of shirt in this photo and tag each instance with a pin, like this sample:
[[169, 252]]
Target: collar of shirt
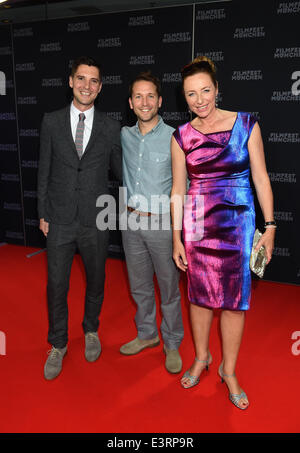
[[155, 128], [88, 123], [89, 115], [147, 167]]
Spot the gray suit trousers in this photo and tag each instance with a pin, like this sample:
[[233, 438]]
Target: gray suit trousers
[[62, 242], [147, 252]]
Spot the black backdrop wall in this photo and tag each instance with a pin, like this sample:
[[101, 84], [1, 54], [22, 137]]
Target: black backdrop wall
[[255, 46], [11, 197]]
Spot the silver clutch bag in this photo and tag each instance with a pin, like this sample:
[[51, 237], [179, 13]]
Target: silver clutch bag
[[258, 260]]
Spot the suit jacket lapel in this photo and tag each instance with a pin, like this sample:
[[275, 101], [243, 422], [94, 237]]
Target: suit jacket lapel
[[96, 129], [68, 130]]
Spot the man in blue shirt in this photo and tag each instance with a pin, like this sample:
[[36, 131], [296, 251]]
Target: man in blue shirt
[[147, 240]]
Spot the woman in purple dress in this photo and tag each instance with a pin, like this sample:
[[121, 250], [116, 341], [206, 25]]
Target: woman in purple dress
[[217, 150]]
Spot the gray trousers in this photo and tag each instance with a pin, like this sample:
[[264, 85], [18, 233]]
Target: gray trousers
[[146, 252], [62, 242]]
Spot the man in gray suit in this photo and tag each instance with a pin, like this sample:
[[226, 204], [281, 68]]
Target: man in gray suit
[[78, 144]]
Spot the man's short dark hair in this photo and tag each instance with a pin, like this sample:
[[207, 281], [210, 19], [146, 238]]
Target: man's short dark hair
[[89, 61], [148, 77]]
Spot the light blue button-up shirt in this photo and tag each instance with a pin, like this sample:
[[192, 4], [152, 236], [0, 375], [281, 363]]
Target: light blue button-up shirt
[[147, 172]]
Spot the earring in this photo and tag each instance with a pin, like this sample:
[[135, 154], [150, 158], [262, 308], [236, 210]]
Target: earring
[[216, 101]]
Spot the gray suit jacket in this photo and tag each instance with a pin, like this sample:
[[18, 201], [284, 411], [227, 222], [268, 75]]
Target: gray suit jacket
[[67, 184]]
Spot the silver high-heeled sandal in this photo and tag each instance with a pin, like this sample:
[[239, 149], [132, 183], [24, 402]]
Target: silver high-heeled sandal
[[234, 397], [194, 380]]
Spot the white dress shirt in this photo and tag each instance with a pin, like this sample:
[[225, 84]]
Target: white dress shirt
[[88, 123]]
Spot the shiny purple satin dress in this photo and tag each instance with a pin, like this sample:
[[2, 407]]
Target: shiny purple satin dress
[[218, 225]]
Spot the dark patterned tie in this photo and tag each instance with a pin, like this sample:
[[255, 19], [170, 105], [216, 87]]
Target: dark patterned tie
[[79, 135]]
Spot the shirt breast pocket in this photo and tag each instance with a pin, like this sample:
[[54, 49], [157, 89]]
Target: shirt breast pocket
[[158, 157], [161, 165]]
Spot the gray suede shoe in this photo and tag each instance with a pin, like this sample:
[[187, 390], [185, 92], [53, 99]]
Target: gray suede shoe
[[92, 346], [173, 362], [135, 346], [53, 365]]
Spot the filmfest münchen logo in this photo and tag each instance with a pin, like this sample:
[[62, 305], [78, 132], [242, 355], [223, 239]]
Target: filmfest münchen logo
[[29, 133], [27, 100], [8, 147], [287, 52], [249, 32], [52, 83], [78, 26], [247, 75], [109, 42], [284, 216], [9, 116], [10, 177], [24, 67], [138, 21], [5, 50], [281, 251], [177, 37], [29, 163], [288, 8], [115, 115], [30, 194], [142, 60], [12, 206], [23, 32], [211, 14], [216, 55], [284, 137], [172, 77], [176, 116], [51, 47], [112, 80], [285, 178], [284, 96], [32, 222], [14, 235]]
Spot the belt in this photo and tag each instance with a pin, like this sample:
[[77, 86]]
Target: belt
[[145, 214]]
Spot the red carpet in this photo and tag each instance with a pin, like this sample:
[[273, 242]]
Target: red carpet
[[119, 394]]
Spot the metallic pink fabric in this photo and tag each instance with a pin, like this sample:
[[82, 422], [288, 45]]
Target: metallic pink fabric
[[218, 259]]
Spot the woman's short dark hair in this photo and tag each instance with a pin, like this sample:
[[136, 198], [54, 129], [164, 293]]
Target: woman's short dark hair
[[88, 61], [148, 77]]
